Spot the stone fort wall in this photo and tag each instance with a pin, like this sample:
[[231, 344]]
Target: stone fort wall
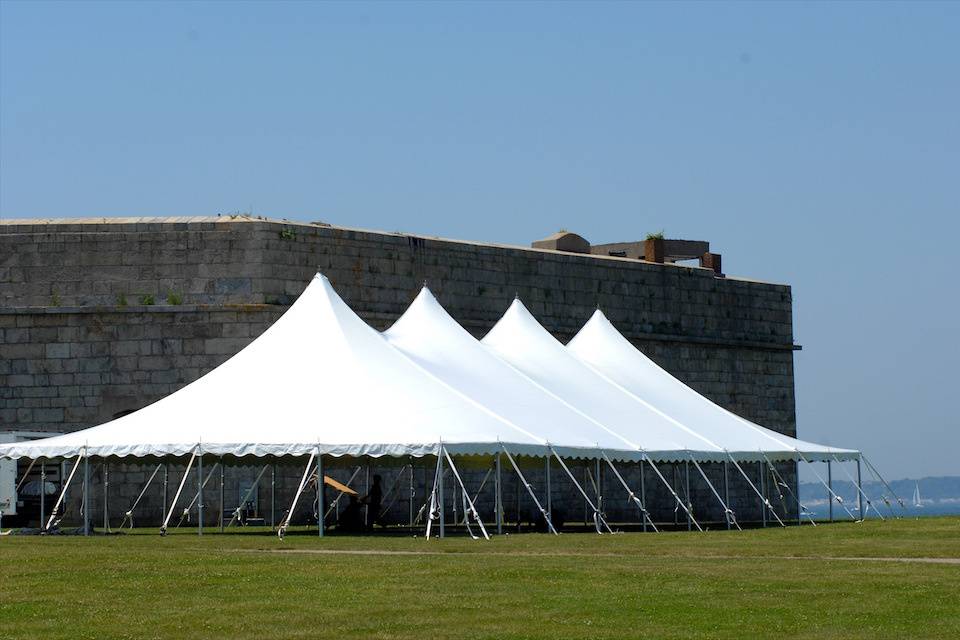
[[101, 317]]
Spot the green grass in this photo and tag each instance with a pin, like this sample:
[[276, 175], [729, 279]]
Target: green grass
[[798, 582]]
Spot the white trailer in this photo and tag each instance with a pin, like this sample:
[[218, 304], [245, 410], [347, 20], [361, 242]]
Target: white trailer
[[8, 470]]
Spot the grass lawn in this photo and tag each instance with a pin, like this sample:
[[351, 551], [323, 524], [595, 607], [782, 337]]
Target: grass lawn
[[824, 582]]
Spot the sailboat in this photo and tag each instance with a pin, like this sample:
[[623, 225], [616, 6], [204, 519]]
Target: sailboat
[[917, 503]]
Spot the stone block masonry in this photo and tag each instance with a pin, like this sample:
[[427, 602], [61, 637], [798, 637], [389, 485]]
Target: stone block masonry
[[101, 317]]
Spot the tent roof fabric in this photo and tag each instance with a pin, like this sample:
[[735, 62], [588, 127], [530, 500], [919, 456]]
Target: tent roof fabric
[[321, 380]]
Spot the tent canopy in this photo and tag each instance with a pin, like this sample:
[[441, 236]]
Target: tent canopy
[[320, 380]]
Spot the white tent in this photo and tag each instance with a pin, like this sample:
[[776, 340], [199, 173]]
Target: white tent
[[602, 347]]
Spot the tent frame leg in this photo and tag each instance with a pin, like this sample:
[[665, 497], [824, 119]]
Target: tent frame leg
[[546, 477], [860, 490], [176, 496], [281, 532], [412, 493], [200, 493], [43, 491], [830, 489], [752, 486], [726, 490], [529, 489], [220, 519], [631, 496], [643, 497], [686, 471], [598, 519], [727, 511]]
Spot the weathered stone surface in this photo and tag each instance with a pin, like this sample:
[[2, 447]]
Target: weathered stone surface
[[101, 318]]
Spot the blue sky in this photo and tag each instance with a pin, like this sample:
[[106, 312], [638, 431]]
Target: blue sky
[[813, 144]]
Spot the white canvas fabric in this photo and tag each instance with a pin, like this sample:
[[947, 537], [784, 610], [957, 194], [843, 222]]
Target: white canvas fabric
[[319, 378], [522, 342], [602, 347], [429, 336]]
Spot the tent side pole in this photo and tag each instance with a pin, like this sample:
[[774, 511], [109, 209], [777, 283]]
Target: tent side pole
[[526, 484], [53, 514], [599, 488], [764, 502], [643, 499], [860, 490], [321, 516], [598, 519], [220, 519], [273, 495], [412, 493], [440, 497], [106, 495], [176, 496], [686, 471], [672, 491], [43, 490], [498, 496], [200, 484], [296, 497], [166, 484], [85, 504], [727, 512], [630, 494], [752, 486], [830, 493], [726, 490], [433, 510]]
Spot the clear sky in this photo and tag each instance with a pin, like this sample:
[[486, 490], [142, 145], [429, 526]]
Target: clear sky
[[813, 144]]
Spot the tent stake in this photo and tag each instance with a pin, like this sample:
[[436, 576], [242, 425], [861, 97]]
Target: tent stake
[[526, 484], [631, 496], [598, 519], [176, 496], [296, 497], [727, 512]]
